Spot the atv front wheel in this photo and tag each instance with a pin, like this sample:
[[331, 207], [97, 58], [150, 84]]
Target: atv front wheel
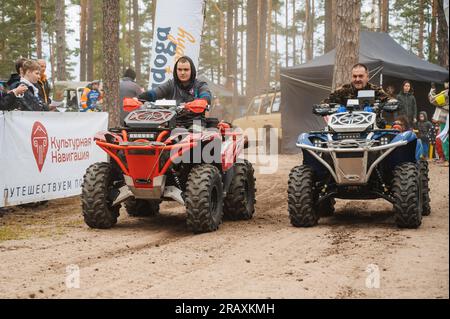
[[96, 193], [204, 199], [239, 204], [302, 210], [141, 207], [407, 196], [423, 172]]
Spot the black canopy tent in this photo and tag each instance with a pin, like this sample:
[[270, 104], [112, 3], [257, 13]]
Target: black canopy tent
[[389, 64]]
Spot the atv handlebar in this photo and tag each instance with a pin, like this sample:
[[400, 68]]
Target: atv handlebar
[[325, 109]]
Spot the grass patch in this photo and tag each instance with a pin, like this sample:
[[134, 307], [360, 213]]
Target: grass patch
[[14, 232]]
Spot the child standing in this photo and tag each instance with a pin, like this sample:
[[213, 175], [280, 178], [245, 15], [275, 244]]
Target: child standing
[[425, 128]]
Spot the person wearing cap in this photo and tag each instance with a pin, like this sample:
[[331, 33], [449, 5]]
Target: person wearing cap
[[184, 87], [90, 96], [128, 88]]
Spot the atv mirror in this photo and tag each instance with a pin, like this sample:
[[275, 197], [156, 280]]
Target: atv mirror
[[130, 104]]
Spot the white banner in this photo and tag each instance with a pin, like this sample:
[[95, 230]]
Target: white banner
[[44, 155], [178, 30]]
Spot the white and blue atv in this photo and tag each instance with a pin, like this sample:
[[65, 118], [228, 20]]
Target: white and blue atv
[[356, 157]]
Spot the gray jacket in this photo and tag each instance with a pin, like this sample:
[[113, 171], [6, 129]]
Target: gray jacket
[[171, 91], [127, 88]]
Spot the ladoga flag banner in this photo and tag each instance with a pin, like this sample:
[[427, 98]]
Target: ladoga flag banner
[[178, 29], [44, 155]]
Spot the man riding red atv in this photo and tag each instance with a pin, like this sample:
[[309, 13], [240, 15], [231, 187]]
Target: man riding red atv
[[170, 151]]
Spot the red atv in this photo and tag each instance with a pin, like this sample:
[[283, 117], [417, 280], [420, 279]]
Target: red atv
[[170, 152]]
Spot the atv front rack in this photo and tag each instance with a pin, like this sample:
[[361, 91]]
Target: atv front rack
[[350, 162], [144, 165]]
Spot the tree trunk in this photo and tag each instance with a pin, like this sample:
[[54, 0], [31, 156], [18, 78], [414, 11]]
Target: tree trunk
[[309, 30], [269, 44], [442, 36], [230, 41], [294, 33], [421, 26], [287, 33], [153, 13], [251, 44], [90, 41], [277, 54], [372, 16], [333, 22], [129, 40], [60, 20], [242, 49], [38, 29], [234, 101], [385, 16], [328, 26], [222, 66], [432, 50], [111, 19], [137, 41], [262, 45], [51, 42], [83, 9], [347, 40]]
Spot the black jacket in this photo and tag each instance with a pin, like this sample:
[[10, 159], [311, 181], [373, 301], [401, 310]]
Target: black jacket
[[13, 81], [426, 129], [7, 102], [30, 102], [407, 106]]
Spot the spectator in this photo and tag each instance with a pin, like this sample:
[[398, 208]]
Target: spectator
[[43, 85], [390, 90], [14, 80], [90, 97], [440, 117], [30, 100], [8, 101], [425, 128], [128, 88], [407, 103], [401, 123]]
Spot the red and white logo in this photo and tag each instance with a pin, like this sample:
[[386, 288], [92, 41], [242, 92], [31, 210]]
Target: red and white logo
[[39, 143]]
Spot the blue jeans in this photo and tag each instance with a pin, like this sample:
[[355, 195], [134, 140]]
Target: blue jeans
[[425, 149]]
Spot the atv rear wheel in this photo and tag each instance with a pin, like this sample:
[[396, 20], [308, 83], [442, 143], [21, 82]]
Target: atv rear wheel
[[96, 193], [302, 210], [239, 204], [407, 196], [204, 199], [141, 207], [423, 172]]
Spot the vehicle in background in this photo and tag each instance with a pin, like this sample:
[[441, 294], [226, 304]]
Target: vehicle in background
[[263, 112], [69, 93]]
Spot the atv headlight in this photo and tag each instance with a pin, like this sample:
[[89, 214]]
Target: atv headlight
[[316, 142], [150, 136], [384, 140]]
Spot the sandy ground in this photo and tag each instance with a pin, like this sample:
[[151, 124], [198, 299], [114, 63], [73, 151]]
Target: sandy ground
[[262, 258]]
